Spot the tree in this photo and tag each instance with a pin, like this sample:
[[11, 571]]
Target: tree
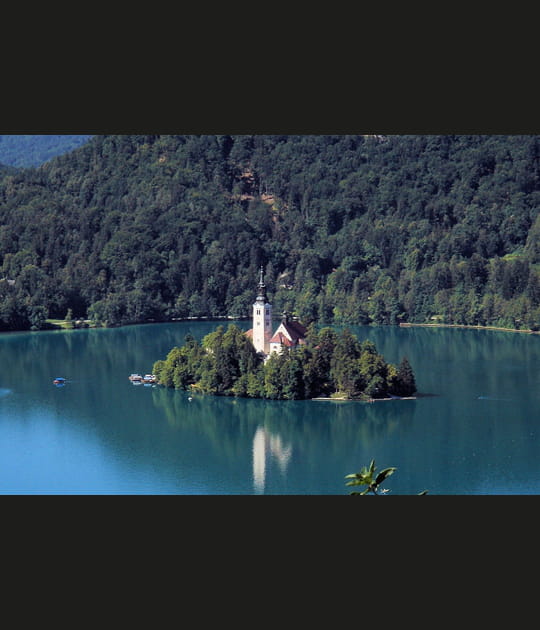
[[226, 364], [351, 230], [69, 318], [273, 386], [376, 388], [37, 316], [405, 383], [320, 364], [343, 364], [292, 376], [255, 384]]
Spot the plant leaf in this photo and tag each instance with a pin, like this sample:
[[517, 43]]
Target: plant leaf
[[383, 475]]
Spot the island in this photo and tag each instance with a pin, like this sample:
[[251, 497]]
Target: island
[[327, 364]]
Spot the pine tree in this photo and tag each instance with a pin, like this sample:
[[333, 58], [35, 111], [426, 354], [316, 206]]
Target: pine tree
[[272, 377], [292, 377], [405, 381]]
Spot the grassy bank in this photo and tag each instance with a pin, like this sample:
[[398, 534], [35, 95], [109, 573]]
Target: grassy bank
[[439, 325], [65, 324]]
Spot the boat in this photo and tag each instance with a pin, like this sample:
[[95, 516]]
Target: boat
[[147, 379], [59, 381]]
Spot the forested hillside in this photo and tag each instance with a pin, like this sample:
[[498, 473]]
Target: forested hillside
[[32, 150], [350, 229]]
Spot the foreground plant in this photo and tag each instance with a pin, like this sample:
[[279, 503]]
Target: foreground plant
[[366, 477]]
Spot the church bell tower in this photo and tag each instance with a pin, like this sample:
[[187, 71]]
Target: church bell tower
[[262, 319]]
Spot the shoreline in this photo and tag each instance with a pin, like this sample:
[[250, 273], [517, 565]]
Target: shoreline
[[470, 326], [58, 324], [371, 400]]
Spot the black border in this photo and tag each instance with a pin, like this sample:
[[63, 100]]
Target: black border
[[354, 100]]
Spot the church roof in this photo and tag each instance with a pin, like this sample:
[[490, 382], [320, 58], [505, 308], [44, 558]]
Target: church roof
[[295, 330], [282, 339], [294, 334]]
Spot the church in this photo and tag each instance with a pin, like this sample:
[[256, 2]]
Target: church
[[289, 334]]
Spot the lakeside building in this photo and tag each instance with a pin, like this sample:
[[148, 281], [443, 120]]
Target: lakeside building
[[289, 334]]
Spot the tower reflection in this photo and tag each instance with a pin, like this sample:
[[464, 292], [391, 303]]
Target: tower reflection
[[265, 447]]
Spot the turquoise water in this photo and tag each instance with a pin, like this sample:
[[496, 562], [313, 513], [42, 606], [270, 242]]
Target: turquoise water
[[474, 428]]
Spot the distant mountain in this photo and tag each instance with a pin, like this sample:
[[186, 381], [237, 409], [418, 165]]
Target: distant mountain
[[33, 150], [349, 230]]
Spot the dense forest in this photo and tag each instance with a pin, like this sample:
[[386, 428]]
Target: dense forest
[[349, 229], [32, 150], [331, 363]]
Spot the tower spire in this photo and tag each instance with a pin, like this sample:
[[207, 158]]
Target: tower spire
[[262, 286]]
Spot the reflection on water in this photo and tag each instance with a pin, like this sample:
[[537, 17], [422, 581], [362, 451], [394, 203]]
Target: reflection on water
[[101, 434], [265, 446], [286, 441]]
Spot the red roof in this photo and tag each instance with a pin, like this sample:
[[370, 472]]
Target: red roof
[[282, 339], [295, 329]]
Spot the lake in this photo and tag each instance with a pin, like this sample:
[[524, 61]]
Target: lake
[[474, 428]]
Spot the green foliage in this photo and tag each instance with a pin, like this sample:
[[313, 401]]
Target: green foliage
[[366, 477], [220, 365], [225, 363], [403, 383], [350, 229]]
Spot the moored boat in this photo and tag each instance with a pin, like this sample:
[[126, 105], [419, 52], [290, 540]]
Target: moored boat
[[147, 379]]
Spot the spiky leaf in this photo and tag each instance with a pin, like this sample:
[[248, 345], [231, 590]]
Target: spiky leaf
[[383, 475]]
